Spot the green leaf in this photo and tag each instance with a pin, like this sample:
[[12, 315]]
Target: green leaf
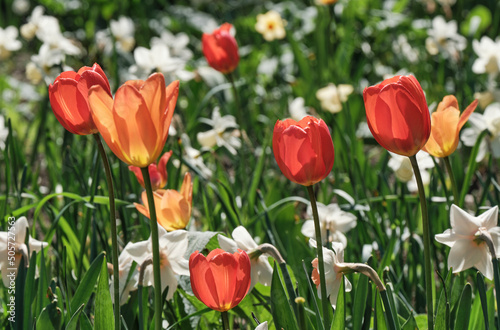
[[476, 22], [339, 315], [50, 317], [464, 308], [280, 308], [481, 288], [73, 322], [197, 241], [87, 284], [103, 306], [442, 319], [380, 321], [359, 302]]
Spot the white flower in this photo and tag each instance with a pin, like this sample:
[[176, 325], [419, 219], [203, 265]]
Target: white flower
[[262, 326], [4, 132], [125, 262], [297, 109], [271, 25], [193, 156], [173, 246], [224, 132], [489, 56], [331, 96], [261, 269], [333, 261], [158, 58], [177, 44], [12, 245], [20, 7], [403, 170], [489, 120], [8, 41], [123, 30], [444, 39], [333, 223], [466, 249]]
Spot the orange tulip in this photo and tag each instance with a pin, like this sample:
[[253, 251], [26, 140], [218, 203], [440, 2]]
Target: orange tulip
[[221, 279], [446, 124], [173, 209], [220, 49], [397, 114], [157, 172], [303, 150], [69, 98], [135, 125]]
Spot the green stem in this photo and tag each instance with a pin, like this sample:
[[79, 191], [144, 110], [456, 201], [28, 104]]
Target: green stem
[[497, 286], [156, 247], [427, 243], [452, 179], [114, 235], [388, 310], [225, 321], [319, 244]]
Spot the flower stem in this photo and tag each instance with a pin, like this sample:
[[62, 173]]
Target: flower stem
[[427, 244], [153, 223], [324, 298], [114, 234], [452, 179], [225, 321], [486, 237]]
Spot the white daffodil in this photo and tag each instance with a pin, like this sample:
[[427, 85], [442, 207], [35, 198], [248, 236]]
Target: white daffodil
[[403, 170], [8, 41], [12, 244], [123, 31], [333, 223], [489, 56], [331, 97], [334, 264], [297, 109], [173, 246], [271, 25], [467, 250], [261, 269], [224, 132], [444, 39], [193, 157], [125, 262], [489, 120], [177, 44]]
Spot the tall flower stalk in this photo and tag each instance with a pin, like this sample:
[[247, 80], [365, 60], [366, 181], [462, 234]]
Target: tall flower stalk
[[428, 270], [321, 264], [153, 223]]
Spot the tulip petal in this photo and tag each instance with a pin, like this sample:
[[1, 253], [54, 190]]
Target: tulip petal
[[466, 114], [172, 93], [137, 132], [243, 277], [224, 268], [203, 283], [101, 105]]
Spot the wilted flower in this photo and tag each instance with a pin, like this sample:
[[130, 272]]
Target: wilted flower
[[468, 249], [333, 223], [12, 244], [333, 272], [271, 25], [489, 120], [8, 41], [261, 269], [224, 132], [332, 97], [173, 246]]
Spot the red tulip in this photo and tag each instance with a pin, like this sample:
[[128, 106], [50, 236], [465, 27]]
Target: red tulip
[[303, 150], [397, 114], [220, 49], [157, 172], [69, 98], [221, 279]]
